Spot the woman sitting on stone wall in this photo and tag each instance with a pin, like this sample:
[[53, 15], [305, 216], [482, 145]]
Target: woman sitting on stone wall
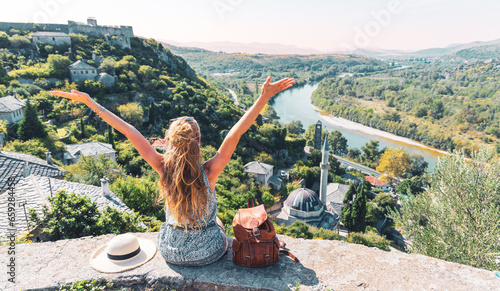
[[192, 234]]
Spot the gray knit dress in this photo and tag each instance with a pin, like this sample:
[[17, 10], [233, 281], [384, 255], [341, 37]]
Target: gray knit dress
[[193, 247]]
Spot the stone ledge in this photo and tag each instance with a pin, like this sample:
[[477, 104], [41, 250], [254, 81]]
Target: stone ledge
[[324, 265]]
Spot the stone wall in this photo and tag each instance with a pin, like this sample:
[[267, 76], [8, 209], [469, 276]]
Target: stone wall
[[333, 265], [75, 27], [29, 26]]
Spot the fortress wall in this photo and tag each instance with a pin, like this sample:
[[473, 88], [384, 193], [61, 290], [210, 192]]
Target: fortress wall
[[126, 31], [29, 26]]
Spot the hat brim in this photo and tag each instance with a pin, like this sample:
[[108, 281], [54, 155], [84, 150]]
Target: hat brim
[[99, 259]]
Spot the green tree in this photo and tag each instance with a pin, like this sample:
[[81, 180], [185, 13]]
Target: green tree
[[70, 216], [111, 138], [82, 127], [90, 170], [385, 202], [457, 219], [74, 215], [31, 127], [132, 113], [152, 113], [264, 158], [59, 65], [418, 165], [359, 210], [34, 147], [295, 127], [412, 186], [138, 194], [346, 213], [370, 153], [338, 143], [4, 78]]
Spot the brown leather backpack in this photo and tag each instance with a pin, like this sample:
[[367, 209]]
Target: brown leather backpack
[[255, 243]]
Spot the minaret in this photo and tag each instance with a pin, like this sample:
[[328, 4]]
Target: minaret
[[324, 172]]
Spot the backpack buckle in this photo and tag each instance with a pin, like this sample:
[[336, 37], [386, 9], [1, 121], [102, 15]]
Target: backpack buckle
[[256, 231]]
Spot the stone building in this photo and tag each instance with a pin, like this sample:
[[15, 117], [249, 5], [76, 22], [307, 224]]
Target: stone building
[[379, 184], [262, 171], [11, 109], [81, 71], [304, 205], [33, 191], [15, 166], [107, 79], [93, 149], [52, 38]]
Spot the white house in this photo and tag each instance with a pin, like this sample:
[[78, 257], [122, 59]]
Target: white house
[[52, 38], [11, 109], [379, 184], [93, 149], [81, 71], [262, 171]]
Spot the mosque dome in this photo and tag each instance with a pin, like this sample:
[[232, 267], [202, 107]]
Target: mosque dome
[[303, 199]]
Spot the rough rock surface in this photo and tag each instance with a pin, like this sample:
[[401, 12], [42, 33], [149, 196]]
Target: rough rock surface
[[324, 265]]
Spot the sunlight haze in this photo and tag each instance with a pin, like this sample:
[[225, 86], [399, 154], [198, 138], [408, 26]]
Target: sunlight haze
[[320, 25]]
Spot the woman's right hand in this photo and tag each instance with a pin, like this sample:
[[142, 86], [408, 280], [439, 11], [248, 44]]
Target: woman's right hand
[[75, 95]]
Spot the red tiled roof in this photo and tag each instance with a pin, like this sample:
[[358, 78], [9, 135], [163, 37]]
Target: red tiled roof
[[157, 142], [375, 182]]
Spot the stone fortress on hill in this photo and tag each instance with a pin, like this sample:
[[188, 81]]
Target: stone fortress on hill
[[120, 34]]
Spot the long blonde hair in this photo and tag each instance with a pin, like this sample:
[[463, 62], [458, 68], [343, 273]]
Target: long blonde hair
[[182, 188]]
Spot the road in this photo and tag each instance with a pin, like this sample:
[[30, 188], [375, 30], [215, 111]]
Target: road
[[235, 97], [361, 168]]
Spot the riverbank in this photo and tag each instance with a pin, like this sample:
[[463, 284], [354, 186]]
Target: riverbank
[[347, 124]]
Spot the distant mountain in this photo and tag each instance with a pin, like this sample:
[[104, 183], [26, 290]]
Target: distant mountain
[[279, 49], [425, 53], [247, 48]]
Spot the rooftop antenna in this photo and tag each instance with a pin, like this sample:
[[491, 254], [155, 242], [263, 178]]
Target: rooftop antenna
[[23, 205], [50, 187]]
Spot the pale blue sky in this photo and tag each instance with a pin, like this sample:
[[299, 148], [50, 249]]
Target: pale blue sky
[[319, 24]]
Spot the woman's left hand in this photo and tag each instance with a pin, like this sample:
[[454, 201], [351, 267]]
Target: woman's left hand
[[269, 89]]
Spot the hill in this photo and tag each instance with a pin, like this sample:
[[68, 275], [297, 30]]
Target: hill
[[425, 53], [442, 104], [208, 62]]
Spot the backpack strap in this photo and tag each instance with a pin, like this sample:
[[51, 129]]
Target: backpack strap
[[290, 255], [282, 245], [250, 199]]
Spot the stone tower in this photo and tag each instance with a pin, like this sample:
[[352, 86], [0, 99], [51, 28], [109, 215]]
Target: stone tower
[[324, 171], [317, 135]]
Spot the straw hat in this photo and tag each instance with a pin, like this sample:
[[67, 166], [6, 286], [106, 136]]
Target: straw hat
[[123, 252]]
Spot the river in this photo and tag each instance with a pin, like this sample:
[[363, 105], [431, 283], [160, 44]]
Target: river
[[295, 104]]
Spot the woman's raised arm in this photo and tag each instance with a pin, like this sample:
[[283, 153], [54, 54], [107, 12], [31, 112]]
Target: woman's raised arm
[[215, 165], [149, 154]]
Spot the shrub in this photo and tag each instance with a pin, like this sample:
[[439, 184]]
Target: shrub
[[73, 215], [370, 239], [138, 194], [457, 218]]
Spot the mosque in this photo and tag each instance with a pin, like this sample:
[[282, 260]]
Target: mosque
[[304, 205]]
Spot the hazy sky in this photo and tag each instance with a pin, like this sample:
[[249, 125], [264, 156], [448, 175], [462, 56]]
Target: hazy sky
[[319, 24]]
